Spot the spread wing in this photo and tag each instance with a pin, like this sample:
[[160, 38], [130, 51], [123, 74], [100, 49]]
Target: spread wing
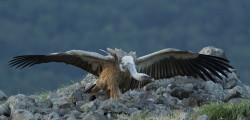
[[168, 63], [89, 61]]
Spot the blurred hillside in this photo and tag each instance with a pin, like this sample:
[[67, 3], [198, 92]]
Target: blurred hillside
[[45, 26]]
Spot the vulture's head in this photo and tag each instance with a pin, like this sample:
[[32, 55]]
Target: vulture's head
[[128, 64]]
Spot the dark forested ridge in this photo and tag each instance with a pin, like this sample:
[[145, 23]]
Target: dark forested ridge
[[44, 26]]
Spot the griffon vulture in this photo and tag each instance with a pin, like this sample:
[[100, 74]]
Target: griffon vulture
[[119, 71]]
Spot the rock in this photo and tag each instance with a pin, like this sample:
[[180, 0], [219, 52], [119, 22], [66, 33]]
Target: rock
[[232, 93], [212, 87], [19, 114], [21, 102], [91, 106], [62, 104], [244, 90], [2, 117], [94, 116], [159, 83], [232, 80], [203, 117], [88, 80], [145, 101], [186, 114], [72, 115], [43, 111], [63, 112], [52, 116], [167, 100], [38, 116], [69, 117], [211, 50], [4, 109], [113, 106], [3, 96], [47, 103], [157, 110], [181, 91], [242, 118], [215, 89], [53, 96], [75, 96], [70, 91], [235, 100], [129, 95]]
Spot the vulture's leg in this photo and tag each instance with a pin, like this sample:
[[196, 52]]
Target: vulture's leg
[[114, 91]]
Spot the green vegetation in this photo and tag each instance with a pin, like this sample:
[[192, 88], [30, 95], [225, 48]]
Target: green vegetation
[[42, 95], [145, 116], [215, 111], [45, 26], [225, 111]]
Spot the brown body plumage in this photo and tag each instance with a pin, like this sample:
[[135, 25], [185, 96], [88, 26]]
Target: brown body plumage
[[120, 71], [111, 80]]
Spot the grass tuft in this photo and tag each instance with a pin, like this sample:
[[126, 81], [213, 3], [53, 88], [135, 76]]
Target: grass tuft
[[42, 95], [224, 111]]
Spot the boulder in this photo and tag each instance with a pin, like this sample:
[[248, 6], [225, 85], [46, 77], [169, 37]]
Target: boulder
[[21, 102], [19, 114], [211, 50], [3, 96]]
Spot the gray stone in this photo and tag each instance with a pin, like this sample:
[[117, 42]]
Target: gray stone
[[91, 106], [88, 79], [19, 114], [167, 100], [235, 100], [113, 106], [60, 104], [136, 112], [212, 87], [203, 117], [180, 91], [3, 96], [186, 114], [159, 83], [215, 89], [242, 118], [66, 91], [2, 117], [43, 111], [69, 117], [80, 103], [211, 50], [4, 109], [47, 103], [52, 116], [72, 115], [53, 96], [129, 95], [75, 112], [232, 80], [38, 116], [75, 96], [94, 116], [161, 91], [157, 110], [21, 102], [244, 91], [232, 93]]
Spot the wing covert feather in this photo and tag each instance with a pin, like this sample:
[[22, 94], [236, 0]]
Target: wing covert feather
[[89, 61]]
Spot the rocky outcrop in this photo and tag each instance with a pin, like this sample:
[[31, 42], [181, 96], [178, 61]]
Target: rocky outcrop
[[157, 98]]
